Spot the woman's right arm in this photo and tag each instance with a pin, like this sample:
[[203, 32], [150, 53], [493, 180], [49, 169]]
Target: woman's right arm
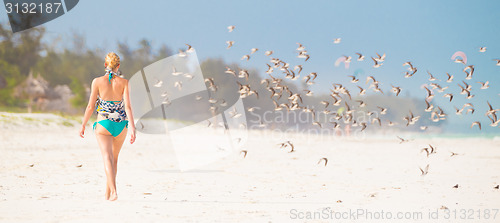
[[90, 107]]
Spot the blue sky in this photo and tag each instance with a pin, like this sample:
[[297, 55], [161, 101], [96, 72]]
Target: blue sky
[[424, 32]]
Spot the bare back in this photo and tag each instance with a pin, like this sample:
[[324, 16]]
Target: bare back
[[113, 91]]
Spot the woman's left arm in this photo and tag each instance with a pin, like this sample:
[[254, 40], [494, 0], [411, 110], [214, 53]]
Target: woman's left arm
[[90, 107], [128, 111]]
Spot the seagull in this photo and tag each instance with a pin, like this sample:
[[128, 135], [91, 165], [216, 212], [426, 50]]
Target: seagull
[[234, 113], [361, 90], [243, 74], [363, 126], [498, 61], [425, 171], [448, 96], [175, 72], [380, 58], [383, 110], [158, 83], [244, 153], [354, 80], [337, 40], [360, 57], [229, 44], [457, 60], [491, 110], [371, 78], [229, 71], [178, 84], [450, 78], [426, 150], [188, 76], [269, 53], [247, 57], [300, 47], [469, 74], [453, 154], [285, 144], [402, 140], [476, 123], [429, 94], [299, 67], [190, 48], [469, 96], [484, 85], [303, 54], [166, 101], [396, 90], [431, 78], [377, 64], [253, 50], [231, 28], [471, 110], [325, 159], [429, 106], [182, 53], [482, 49], [326, 103]]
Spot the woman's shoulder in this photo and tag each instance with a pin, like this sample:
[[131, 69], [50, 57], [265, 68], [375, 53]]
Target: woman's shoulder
[[121, 79], [96, 80]]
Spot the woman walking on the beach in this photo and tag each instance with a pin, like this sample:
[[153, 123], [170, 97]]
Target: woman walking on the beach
[[110, 93]]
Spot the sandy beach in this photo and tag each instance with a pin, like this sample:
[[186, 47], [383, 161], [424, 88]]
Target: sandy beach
[[49, 174]]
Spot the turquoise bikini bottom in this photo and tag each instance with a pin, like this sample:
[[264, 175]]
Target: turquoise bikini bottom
[[115, 128]]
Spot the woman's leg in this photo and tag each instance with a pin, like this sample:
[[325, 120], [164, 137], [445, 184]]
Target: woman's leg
[[117, 146], [105, 141]]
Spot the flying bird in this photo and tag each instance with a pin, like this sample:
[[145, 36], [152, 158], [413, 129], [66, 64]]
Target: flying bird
[[229, 44], [484, 85], [158, 83], [190, 48], [244, 153], [450, 78], [476, 123], [425, 171], [469, 70], [325, 159], [360, 57]]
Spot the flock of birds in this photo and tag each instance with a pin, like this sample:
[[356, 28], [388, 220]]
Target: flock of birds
[[339, 93]]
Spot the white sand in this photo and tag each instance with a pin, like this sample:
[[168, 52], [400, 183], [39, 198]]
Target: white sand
[[270, 184]]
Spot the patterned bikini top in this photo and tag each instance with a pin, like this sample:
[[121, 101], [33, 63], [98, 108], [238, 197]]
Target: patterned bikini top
[[110, 110]]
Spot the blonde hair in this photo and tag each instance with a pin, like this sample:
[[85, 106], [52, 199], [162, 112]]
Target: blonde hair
[[112, 60]]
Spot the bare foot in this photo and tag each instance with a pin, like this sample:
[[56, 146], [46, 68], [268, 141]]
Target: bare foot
[[113, 196]]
